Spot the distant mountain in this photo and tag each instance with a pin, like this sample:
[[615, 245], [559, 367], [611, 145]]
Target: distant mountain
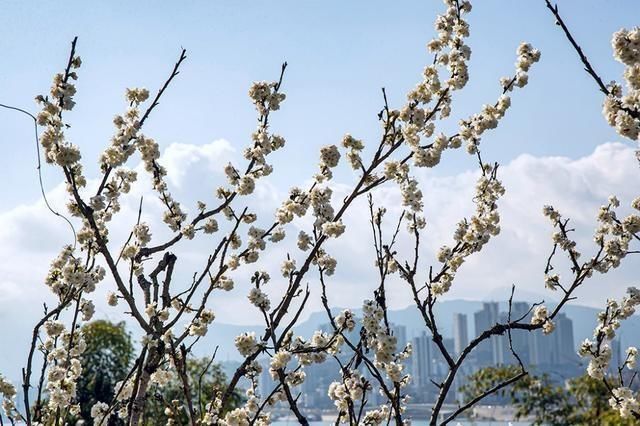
[[523, 295], [222, 335], [584, 321]]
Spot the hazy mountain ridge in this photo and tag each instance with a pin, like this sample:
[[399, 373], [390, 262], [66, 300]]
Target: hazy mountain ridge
[[584, 321], [13, 350]]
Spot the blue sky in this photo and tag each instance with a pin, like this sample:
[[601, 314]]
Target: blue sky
[[340, 55]]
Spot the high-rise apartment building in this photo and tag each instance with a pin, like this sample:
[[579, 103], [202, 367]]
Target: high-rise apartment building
[[460, 333]]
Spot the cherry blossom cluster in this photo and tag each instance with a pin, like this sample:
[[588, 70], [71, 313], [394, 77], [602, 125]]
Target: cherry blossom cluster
[[624, 400], [471, 235], [325, 262], [541, 316], [257, 296], [142, 237], [307, 352], [105, 205], [384, 344], [303, 351], [279, 362], [346, 320], [599, 351], [431, 97], [320, 198], [200, 323], [472, 129], [325, 223], [266, 97], [102, 412], [248, 414], [377, 417], [127, 127], [99, 412], [560, 237], [173, 216], [329, 158], [622, 110], [68, 274], [62, 348], [450, 48], [246, 343], [296, 204], [8, 393], [56, 148], [614, 235], [124, 392], [354, 147], [409, 186], [347, 392], [316, 349]]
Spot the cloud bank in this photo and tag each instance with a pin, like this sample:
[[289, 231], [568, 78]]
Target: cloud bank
[[30, 236]]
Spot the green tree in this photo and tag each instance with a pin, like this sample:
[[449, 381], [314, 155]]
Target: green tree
[[580, 401], [106, 360], [205, 380]]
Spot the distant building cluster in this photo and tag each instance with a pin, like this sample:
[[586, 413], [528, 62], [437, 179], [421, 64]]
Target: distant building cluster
[[557, 349], [553, 354]]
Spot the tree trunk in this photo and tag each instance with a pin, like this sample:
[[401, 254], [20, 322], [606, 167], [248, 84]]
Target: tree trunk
[[140, 399]]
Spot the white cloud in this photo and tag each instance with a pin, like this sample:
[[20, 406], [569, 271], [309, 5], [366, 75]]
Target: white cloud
[[182, 160], [577, 188], [30, 236]]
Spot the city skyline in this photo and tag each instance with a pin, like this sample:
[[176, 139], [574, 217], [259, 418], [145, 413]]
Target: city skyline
[[553, 355]]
